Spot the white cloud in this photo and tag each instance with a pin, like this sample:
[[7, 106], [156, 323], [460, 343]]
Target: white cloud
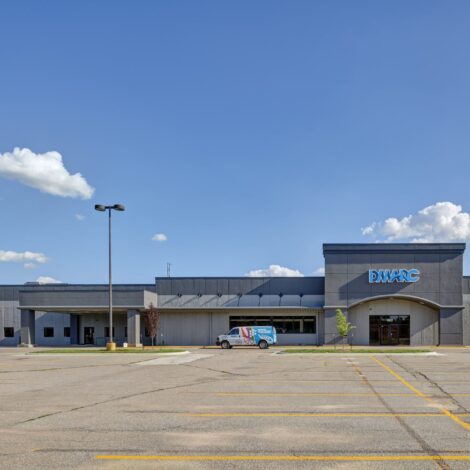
[[80, 217], [16, 257], [274, 270], [47, 280], [441, 222], [43, 171], [319, 271], [30, 266], [160, 237]]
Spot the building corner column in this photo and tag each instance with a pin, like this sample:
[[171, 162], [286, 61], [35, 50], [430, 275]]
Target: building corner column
[[28, 328], [74, 330], [133, 328]]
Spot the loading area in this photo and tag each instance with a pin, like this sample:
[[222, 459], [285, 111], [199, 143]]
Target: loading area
[[229, 409]]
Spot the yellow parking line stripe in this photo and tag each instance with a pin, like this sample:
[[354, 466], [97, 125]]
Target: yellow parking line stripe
[[318, 381], [306, 394], [400, 378], [443, 410], [320, 458], [318, 415]]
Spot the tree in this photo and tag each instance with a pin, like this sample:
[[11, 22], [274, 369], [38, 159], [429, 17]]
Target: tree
[[343, 326], [152, 322]]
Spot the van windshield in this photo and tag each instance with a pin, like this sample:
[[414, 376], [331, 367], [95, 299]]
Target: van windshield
[[234, 332]]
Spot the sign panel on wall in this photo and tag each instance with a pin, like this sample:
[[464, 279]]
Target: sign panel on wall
[[387, 276]]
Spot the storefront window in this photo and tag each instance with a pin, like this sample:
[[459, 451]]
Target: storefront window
[[283, 325]]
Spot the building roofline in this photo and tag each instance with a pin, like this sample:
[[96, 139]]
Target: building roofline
[[166, 278], [393, 247]]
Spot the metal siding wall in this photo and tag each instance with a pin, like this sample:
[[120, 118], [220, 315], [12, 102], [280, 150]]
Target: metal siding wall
[[185, 328], [9, 317], [451, 322], [220, 325], [466, 319], [58, 321]]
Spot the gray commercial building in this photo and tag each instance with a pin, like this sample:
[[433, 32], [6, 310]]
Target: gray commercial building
[[394, 294]]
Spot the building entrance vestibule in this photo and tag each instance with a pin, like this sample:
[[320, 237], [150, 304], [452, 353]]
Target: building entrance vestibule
[[389, 330]]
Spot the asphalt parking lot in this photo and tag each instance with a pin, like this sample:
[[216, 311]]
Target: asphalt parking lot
[[234, 409]]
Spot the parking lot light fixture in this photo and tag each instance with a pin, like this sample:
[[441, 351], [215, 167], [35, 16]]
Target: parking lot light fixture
[[110, 345]]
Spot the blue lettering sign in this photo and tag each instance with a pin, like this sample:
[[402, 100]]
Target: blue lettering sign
[[388, 276]]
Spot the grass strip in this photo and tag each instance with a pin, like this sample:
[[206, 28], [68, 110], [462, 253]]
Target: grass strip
[[104, 351], [360, 351]]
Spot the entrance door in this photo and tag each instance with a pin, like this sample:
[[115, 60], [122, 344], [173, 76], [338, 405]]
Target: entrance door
[[89, 334], [389, 330], [389, 335]]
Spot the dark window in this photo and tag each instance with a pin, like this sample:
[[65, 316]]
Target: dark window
[[9, 332], [125, 331], [310, 325], [48, 332], [146, 333], [234, 332], [66, 331], [106, 331], [286, 325], [283, 325]]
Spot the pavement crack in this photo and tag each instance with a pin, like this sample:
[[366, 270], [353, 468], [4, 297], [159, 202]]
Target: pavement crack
[[417, 374], [410, 431], [123, 397], [215, 370]]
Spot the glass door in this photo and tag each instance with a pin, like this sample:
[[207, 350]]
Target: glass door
[[89, 334], [389, 330], [389, 335]]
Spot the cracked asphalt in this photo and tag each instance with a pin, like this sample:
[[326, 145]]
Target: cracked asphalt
[[234, 408]]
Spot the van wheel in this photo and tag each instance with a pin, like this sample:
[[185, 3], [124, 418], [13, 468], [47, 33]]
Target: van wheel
[[263, 344], [225, 345]]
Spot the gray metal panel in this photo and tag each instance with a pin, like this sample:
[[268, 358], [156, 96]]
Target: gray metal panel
[[231, 301], [9, 293], [466, 320], [313, 301], [240, 285], [211, 286], [270, 301], [199, 287], [249, 301], [451, 326], [185, 328], [57, 321], [222, 287], [290, 301], [83, 298]]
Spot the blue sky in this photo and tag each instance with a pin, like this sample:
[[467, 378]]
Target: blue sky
[[248, 132]]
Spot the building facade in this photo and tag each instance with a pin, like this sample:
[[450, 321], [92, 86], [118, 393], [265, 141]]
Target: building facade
[[393, 294]]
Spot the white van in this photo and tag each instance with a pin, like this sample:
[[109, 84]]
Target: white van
[[261, 336]]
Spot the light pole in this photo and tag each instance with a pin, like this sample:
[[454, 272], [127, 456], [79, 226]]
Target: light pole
[[110, 345]]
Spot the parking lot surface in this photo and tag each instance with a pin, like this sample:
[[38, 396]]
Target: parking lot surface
[[235, 408]]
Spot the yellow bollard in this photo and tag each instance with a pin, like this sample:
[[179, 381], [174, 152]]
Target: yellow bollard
[[111, 346]]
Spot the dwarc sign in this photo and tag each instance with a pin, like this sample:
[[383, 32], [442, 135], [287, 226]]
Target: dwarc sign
[[393, 275]]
